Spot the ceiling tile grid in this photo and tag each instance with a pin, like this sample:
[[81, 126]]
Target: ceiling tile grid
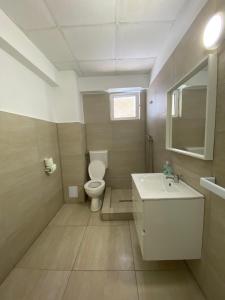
[[91, 42], [82, 12], [52, 43], [141, 40], [97, 37], [28, 14]]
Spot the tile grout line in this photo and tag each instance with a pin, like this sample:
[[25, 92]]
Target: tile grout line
[[78, 252], [132, 249], [66, 286], [80, 270]]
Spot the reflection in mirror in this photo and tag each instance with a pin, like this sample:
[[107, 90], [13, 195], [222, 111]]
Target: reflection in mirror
[[188, 113]]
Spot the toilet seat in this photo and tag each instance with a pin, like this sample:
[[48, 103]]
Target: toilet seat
[[94, 184]]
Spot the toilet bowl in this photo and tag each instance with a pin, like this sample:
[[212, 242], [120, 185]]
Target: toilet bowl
[[96, 186]]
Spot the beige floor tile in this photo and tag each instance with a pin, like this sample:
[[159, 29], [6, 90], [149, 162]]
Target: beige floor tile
[[141, 264], [27, 284], [102, 285], [72, 214], [121, 195], [55, 249], [167, 285], [121, 200], [95, 220], [105, 248]]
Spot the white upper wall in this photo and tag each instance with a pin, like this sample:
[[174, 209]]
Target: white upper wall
[[67, 99], [22, 92], [103, 83], [30, 84], [15, 42]]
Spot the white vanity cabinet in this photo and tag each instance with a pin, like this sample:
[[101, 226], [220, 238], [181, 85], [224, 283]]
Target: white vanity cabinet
[[168, 228]]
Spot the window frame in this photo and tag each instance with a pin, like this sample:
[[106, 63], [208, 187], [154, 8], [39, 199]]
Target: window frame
[[137, 105]]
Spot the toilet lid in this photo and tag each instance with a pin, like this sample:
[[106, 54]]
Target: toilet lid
[[96, 169]]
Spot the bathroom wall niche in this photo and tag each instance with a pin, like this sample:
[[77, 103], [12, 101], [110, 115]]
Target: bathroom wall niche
[[191, 106]]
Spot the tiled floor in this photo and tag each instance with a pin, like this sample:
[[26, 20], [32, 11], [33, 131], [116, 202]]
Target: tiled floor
[[117, 204], [121, 200], [80, 257]]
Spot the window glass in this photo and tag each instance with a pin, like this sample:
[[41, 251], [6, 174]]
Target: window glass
[[124, 107]]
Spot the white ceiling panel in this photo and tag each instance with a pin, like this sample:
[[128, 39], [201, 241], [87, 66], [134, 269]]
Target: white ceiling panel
[[102, 37], [134, 65], [92, 43], [141, 40], [67, 65], [92, 68], [52, 43], [82, 12], [28, 14], [149, 10]]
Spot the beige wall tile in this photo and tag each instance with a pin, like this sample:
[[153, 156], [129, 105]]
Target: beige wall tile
[[123, 163], [28, 197], [210, 270], [96, 108], [71, 138], [120, 182], [120, 138], [74, 169], [128, 135], [72, 143], [99, 136]]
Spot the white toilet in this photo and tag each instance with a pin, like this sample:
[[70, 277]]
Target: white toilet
[[96, 169]]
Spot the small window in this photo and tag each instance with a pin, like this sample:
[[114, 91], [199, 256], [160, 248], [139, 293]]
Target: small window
[[177, 103], [125, 106]]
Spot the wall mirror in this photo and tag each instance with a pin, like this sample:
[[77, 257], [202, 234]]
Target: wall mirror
[[191, 105]]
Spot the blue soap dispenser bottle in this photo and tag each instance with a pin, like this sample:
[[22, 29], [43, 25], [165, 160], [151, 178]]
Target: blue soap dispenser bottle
[[167, 169]]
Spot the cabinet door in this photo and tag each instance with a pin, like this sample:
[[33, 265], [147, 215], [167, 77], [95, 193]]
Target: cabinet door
[[173, 229], [138, 214]]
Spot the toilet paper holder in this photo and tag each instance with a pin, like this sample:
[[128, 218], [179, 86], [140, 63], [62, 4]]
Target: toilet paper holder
[[50, 166]]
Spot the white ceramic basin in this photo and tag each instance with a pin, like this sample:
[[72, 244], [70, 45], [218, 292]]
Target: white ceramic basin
[[156, 186]]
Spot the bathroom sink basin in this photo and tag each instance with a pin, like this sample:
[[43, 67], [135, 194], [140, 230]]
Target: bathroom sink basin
[[168, 217], [156, 186]]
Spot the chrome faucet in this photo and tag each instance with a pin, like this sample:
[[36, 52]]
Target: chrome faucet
[[176, 178]]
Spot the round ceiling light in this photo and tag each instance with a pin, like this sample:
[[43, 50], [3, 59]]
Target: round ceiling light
[[214, 31]]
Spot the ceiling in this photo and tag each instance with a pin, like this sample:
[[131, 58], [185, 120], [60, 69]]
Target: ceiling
[[97, 37]]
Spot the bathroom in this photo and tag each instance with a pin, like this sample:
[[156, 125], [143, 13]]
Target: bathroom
[[112, 177]]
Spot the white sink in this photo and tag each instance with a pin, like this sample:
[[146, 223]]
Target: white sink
[[157, 186], [168, 217]]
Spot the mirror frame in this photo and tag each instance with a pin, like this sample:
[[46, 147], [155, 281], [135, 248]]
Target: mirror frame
[[210, 109]]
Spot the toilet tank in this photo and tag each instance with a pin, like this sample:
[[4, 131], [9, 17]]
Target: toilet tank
[[101, 155]]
